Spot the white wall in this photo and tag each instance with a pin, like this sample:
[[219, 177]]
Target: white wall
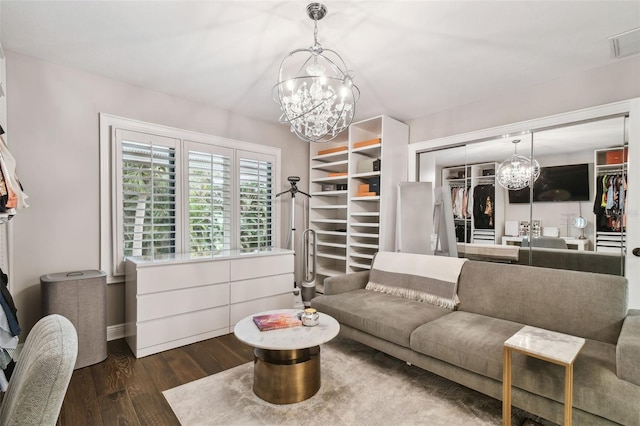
[[53, 117], [616, 82]]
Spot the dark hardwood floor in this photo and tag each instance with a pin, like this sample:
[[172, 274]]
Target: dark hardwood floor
[[123, 390]]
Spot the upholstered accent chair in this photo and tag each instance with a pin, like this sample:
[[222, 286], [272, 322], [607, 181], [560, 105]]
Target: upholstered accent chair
[[42, 374]]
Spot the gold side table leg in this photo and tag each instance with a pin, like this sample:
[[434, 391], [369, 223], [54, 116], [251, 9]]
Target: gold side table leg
[[506, 388], [286, 377], [568, 394]]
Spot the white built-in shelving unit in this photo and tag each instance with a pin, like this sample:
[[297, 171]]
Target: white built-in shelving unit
[[350, 228]]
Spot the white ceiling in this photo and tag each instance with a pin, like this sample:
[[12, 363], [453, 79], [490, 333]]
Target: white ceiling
[[411, 58]]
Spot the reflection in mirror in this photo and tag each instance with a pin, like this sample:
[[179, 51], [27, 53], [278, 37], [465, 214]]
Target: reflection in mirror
[[568, 196], [574, 217]]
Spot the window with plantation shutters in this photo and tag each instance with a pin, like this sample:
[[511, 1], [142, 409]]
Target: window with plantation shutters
[[255, 200], [148, 199], [209, 192], [175, 192]]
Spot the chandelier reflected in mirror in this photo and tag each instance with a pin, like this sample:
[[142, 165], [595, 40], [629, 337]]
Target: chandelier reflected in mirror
[[517, 172], [315, 90]]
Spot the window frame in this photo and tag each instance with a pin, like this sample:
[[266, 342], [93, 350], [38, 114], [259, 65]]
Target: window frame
[[110, 256]]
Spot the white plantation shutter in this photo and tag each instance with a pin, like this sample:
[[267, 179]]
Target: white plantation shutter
[[209, 192], [148, 217], [256, 198]]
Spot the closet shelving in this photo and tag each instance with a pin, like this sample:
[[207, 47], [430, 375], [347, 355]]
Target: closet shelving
[[350, 228], [470, 176], [610, 162], [328, 206]]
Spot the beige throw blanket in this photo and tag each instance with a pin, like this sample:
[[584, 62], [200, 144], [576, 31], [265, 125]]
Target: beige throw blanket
[[424, 278]]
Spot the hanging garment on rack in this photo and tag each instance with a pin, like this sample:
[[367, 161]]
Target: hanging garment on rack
[[9, 332], [483, 206], [17, 198], [609, 203]]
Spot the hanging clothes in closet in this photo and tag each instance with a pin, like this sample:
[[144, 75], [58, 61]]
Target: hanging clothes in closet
[[483, 206], [461, 214], [460, 202], [9, 332], [609, 204], [12, 196]]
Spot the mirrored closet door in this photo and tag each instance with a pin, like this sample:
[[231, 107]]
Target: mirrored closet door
[[573, 219]]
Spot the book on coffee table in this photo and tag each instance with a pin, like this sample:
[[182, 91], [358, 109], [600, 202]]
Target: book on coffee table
[[275, 321]]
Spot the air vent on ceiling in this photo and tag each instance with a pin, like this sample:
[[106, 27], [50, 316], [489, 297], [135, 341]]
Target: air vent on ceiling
[[625, 44]]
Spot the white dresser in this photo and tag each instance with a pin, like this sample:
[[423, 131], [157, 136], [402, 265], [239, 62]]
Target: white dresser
[[181, 299]]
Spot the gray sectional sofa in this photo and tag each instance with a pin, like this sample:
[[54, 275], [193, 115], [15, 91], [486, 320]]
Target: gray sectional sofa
[[465, 344]]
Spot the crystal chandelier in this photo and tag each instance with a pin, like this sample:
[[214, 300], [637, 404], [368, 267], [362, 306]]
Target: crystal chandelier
[[517, 171], [315, 90]]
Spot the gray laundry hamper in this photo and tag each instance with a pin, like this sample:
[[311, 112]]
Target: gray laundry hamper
[[80, 296]]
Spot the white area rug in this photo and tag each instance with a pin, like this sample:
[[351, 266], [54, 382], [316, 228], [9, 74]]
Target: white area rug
[[359, 386]]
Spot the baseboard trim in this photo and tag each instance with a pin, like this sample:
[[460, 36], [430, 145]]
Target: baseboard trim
[[115, 332]]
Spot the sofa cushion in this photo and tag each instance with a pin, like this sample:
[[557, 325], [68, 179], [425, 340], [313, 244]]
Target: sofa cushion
[[475, 342], [417, 277], [581, 304], [388, 317], [471, 341]]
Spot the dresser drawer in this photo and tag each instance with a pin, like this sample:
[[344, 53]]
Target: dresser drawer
[[159, 278], [168, 303], [254, 267], [177, 327], [260, 287]]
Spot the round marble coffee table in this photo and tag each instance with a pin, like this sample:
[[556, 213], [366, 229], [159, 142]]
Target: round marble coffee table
[[286, 361]]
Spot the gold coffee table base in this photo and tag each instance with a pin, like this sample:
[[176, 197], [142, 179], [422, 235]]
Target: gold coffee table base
[[286, 376]]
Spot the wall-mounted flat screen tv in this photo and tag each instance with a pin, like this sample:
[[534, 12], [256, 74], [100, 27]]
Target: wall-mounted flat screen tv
[[557, 183]]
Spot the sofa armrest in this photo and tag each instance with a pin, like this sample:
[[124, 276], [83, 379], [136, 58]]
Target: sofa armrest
[[628, 348], [344, 283]]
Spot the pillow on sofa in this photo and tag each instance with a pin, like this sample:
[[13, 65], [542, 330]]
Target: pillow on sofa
[[424, 278]]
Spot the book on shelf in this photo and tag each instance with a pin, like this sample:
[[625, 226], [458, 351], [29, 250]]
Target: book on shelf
[[275, 321]]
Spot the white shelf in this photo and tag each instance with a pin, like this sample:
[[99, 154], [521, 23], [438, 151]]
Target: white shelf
[[328, 193], [338, 221], [320, 232], [372, 198], [335, 245], [365, 214], [368, 246], [362, 255], [330, 179], [335, 166], [364, 235], [330, 207], [366, 174], [331, 256], [369, 150], [332, 157]]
